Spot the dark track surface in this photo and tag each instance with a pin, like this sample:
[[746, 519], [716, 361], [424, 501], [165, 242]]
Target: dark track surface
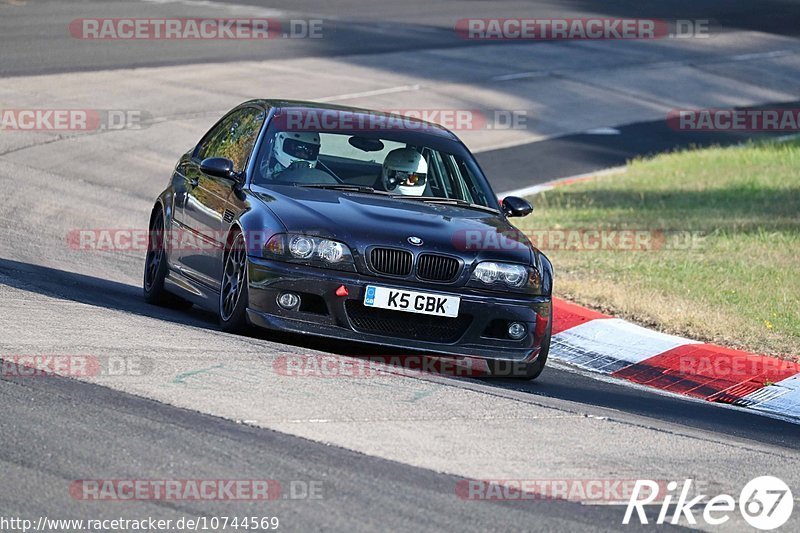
[[35, 38], [56, 431], [570, 155]]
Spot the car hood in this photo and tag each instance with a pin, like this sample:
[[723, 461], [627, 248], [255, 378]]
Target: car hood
[[362, 220]]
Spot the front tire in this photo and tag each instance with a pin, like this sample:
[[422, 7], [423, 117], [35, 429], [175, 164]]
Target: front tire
[[155, 268], [233, 294]]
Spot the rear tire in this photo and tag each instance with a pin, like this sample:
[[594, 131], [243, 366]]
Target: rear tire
[[233, 294], [155, 268], [501, 368]]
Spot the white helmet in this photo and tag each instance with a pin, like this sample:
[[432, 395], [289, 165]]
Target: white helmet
[[406, 171], [295, 147]]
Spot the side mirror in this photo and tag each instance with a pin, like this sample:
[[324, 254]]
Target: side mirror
[[219, 167], [514, 206]]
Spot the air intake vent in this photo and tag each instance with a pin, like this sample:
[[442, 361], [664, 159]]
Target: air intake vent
[[391, 262], [432, 267], [406, 325]]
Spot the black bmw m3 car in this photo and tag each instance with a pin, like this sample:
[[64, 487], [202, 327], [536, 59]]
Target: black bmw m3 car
[[353, 224]]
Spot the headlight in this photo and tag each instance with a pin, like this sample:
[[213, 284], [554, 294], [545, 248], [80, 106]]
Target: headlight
[[301, 247], [332, 251], [309, 250], [510, 275]]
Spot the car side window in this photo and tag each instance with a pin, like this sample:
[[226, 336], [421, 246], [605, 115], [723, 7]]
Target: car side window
[[234, 137]]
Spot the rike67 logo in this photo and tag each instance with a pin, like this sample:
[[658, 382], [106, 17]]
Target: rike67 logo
[[766, 503]]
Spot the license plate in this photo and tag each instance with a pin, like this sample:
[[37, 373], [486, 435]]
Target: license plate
[[412, 301]]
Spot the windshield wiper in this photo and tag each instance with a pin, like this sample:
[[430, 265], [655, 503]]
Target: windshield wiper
[[342, 187], [328, 170], [452, 201]]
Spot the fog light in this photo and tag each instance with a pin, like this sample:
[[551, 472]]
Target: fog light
[[516, 330], [288, 300]]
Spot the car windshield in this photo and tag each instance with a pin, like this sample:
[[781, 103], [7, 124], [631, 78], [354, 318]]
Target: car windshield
[[388, 163]]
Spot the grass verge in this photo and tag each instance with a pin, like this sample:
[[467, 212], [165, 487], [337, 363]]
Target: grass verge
[[723, 261]]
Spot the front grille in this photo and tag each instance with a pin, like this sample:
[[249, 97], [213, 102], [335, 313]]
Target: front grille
[[432, 267], [406, 325], [391, 262]]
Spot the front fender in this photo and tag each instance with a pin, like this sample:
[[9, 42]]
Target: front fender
[[165, 201], [258, 224]]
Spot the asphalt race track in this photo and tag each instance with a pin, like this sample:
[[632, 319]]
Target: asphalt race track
[[33, 41], [388, 452]]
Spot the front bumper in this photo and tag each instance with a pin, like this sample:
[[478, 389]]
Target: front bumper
[[322, 313]]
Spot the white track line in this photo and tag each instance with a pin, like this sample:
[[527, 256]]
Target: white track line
[[223, 6], [535, 189], [376, 92]]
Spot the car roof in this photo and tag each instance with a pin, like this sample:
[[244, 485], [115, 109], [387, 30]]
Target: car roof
[[357, 112]]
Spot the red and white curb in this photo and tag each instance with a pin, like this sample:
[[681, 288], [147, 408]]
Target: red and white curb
[[599, 343]]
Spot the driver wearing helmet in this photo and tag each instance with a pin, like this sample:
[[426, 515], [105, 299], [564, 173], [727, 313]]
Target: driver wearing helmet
[[404, 171], [295, 150]]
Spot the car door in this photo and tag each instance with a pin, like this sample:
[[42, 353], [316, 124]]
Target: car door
[[205, 214]]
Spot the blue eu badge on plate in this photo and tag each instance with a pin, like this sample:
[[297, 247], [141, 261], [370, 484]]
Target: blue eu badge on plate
[[370, 298]]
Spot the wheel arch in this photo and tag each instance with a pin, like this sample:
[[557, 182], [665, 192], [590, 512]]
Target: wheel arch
[[547, 275], [258, 225]]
